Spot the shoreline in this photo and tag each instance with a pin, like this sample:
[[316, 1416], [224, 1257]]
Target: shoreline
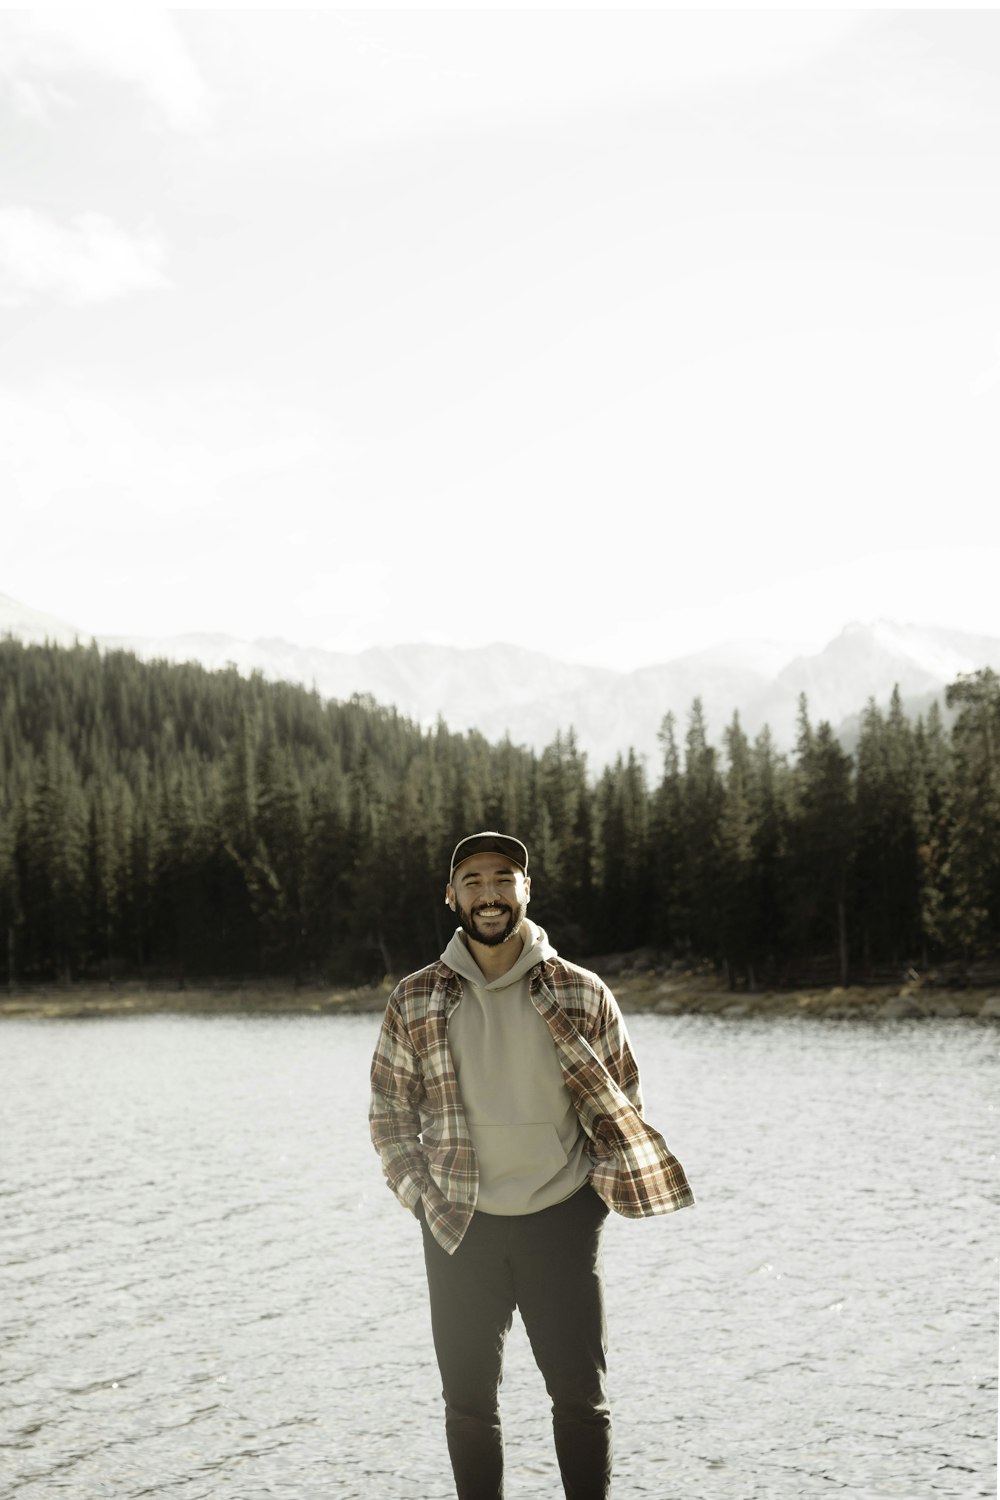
[[636, 994]]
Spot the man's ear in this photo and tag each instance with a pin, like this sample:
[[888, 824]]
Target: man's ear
[[449, 896], [527, 889]]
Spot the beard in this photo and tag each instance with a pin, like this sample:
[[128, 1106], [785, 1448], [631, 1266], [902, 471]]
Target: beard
[[515, 916]]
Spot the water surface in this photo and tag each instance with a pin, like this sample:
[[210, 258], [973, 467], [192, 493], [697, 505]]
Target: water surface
[[208, 1294]]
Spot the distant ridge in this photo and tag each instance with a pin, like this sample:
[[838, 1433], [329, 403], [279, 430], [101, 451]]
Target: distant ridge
[[503, 689]]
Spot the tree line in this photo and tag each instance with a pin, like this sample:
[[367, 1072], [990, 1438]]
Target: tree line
[[165, 821]]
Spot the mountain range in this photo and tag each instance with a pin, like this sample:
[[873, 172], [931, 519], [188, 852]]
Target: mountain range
[[503, 689]]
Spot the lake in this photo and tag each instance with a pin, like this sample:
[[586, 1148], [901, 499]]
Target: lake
[[209, 1294]]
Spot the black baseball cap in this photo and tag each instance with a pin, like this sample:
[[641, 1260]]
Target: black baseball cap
[[489, 842]]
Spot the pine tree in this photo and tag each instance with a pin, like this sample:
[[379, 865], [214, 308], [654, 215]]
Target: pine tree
[[701, 839], [624, 863], [668, 916], [736, 879], [109, 850], [886, 915], [274, 870], [820, 844], [325, 856], [11, 911], [932, 802], [55, 860], [561, 842], [770, 799], [975, 838]]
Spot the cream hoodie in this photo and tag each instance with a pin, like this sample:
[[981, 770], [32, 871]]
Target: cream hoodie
[[528, 1140]]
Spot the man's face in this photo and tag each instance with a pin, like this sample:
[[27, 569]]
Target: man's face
[[489, 895]]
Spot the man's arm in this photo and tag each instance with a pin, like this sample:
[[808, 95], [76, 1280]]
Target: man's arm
[[394, 1113]]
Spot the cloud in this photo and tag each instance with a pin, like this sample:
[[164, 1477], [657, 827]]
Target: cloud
[[139, 46], [88, 260]]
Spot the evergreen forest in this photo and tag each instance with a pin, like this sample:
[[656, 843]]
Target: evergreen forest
[[171, 823]]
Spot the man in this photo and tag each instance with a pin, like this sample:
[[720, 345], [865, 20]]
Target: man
[[507, 1112]]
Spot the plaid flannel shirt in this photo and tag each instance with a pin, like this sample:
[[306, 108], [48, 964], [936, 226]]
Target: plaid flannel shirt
[[418, 1125]]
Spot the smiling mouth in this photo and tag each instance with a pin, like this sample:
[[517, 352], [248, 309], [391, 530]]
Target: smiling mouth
[[492, 911]]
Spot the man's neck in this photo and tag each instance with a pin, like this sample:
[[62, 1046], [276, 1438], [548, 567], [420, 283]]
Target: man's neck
[[497, 959]]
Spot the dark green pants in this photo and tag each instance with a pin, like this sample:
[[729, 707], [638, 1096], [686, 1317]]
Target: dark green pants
[[548, 1265]]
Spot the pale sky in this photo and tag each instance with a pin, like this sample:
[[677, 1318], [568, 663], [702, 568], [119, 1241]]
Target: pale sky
[[614, 335]]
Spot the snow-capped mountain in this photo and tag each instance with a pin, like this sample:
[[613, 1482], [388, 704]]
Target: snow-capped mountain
[[504, 689], [866, 661]]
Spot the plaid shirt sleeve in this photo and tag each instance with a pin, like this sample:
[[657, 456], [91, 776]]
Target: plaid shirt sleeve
[[611, 1043], [394, 1113], [634, 1171]]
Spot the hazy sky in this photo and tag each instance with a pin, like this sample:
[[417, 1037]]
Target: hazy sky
[[614, 335]]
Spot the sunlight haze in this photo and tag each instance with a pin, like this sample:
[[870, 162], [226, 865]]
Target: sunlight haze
[[614, 335]]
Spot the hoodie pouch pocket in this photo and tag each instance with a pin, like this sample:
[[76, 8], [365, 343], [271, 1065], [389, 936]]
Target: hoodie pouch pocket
[[523, 1153]]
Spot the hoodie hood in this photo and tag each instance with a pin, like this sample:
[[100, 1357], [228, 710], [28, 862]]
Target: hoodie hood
[[536, 948]]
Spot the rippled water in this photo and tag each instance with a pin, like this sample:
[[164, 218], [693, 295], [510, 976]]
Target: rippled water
[[208, 1294]]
